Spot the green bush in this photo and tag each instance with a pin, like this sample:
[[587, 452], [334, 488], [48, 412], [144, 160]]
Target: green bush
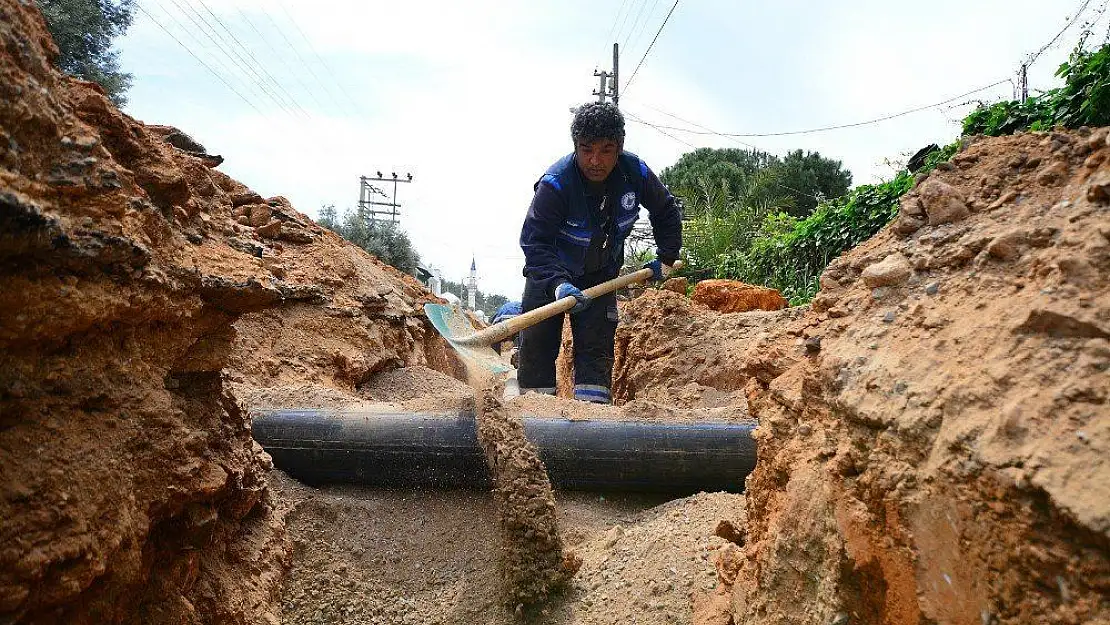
[[384, 240], [1084, 100], [790, 255]]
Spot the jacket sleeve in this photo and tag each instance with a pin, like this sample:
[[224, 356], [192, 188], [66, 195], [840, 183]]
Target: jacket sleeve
[[665, 217], [537, 238]]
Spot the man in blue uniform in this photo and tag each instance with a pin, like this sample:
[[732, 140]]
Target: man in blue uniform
[[573, 238]]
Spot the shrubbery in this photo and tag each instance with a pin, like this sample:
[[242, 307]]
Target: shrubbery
[[385, 240], [789, 254], [1084, 100]]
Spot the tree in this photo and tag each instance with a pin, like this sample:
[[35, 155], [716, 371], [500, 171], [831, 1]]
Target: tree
[[84, 31], [799, 177], [721, 219], [385, 240], [709, 166], [809, 178]]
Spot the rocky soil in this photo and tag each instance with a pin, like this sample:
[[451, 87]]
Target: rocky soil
[[933, 432], [143, 294]]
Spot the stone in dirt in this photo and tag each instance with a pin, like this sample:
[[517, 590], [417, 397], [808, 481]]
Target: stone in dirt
[[732, 296], [942, 202], [894, 269], [676, 285], [534, 564]]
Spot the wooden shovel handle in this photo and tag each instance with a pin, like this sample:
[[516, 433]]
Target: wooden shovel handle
[[501, 331]]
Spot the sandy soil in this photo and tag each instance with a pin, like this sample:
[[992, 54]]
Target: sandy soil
[[373, 556]]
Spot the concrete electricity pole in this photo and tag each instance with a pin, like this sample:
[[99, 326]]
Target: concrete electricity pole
[[367, 191], [1024, 77], [616, 76], [608, 87]]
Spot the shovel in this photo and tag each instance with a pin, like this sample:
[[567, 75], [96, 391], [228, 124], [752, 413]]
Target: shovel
[[475, 346]]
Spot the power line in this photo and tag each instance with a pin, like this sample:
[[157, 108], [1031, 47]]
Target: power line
[[635, 23], [697, 125], [281, 58], [659, 129], [840, 126], [268, 76], [207, 30], [650, 46], [636, 40], [1068, 24], [254, 92], [613, 28], [199, 60], [301, 59], [626, 16], [747, 145], [327, 67]]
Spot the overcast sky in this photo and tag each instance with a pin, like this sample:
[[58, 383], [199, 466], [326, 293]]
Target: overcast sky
[[472, 97]]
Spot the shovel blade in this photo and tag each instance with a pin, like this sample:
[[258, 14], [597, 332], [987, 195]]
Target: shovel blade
[[453, 325]]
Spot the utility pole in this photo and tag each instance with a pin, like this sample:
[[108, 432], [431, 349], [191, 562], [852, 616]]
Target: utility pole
[[1024, 76], [616, 76], [367, 202], [608, 87], [601, 92]]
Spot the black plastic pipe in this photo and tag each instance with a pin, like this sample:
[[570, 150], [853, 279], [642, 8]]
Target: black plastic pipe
[[419, 450]]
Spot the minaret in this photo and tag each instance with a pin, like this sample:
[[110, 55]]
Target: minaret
[[472, 284]]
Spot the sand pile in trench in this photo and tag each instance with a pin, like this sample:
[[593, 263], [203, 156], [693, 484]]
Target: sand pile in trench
[[372, 556]]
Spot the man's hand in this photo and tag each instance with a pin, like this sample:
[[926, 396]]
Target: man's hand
[[566, 289], [659, 271]]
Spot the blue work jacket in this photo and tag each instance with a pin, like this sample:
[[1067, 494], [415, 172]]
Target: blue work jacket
[[563, 220]]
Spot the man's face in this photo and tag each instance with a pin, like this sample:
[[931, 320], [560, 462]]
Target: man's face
[[597, 159]]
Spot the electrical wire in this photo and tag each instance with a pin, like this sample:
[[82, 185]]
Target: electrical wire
[[636, 40], [648, 51], [199, 60], [301, 59], [207, 30], [1068, 24], [266, 75], [625, 20], [697, 125], [840, 126], [274, 50], [635, 23], [659, 129], [231, 70], [327, 67], [612, 29], [228, 48]]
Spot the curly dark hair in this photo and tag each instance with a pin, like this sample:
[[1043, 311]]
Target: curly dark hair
[[595, 121]]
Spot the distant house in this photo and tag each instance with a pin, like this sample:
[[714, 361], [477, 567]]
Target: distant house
[[430, 277]]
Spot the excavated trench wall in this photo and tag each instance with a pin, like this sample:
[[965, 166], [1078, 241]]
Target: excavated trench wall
[[933, 441], [135, 284]]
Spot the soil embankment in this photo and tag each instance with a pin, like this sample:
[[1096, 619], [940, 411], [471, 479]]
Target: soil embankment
[[933, 442], [143, 295]]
